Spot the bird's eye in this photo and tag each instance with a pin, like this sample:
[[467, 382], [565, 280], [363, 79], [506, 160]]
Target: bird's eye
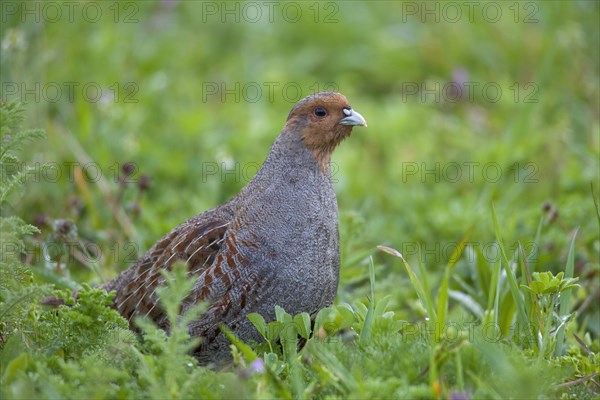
[[320, 112]]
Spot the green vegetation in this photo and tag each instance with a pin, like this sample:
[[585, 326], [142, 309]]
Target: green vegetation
[[469, 217]]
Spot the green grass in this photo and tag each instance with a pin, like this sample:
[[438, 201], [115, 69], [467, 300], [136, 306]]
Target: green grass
[[459, 314]]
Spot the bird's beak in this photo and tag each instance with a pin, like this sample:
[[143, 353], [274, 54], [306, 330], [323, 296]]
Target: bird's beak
[[353, 118]]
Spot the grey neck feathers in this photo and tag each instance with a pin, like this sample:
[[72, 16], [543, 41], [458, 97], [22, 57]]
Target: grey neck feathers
[[289, 161]]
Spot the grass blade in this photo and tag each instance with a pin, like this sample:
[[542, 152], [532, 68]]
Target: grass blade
[[442, 298], [423, 296], [365, 332], [427, 300], [491, 313], [532, 259], [512, 279], [595, 204], [525, 277], [246, 350], [565, 301]]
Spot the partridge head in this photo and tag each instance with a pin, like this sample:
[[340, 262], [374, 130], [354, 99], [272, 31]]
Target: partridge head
[[323, 121]]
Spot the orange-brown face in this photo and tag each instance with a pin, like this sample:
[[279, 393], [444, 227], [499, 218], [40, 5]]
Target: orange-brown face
[[324, 120]]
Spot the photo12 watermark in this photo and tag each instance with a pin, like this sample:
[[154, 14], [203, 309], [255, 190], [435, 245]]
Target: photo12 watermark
[[51, 12], [325, 12], [269, 91], [54, 92], [450, 252], [58, 253], [71, 171], [472, 331], [237, 172], [468, 172], [453, 12], [468, 92]]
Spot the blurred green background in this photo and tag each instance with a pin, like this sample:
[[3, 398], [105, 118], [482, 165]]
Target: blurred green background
[[468, 104]]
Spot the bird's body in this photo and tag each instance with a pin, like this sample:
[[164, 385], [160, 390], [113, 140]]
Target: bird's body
[[275, 243]]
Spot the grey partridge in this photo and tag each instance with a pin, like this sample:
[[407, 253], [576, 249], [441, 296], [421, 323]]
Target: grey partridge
[[275, 243]]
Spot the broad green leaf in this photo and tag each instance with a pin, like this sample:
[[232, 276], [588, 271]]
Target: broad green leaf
[[259, 323], [303, 324], [273, 330]]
